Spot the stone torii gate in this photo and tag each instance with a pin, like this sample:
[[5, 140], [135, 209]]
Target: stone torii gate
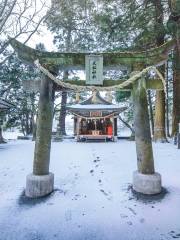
[[145, 179]]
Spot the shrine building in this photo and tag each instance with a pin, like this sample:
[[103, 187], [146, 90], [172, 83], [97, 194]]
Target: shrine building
[[95, 119]]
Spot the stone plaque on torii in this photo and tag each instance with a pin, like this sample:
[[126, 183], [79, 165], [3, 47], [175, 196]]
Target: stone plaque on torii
[[94, 69]]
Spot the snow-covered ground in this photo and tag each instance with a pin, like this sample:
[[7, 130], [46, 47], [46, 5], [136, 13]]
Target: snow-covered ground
[[93, 198], [11, 134]]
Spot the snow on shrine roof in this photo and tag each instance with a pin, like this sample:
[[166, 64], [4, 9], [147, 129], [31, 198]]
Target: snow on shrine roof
[[96, 107], [96, 102]]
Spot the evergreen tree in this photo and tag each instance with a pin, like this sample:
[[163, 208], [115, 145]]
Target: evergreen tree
[[12, 75], [174, 29], [69, 21]]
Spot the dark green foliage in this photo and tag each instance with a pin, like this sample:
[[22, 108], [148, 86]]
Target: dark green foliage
[[122, 96], [71, 22], [12, 73]]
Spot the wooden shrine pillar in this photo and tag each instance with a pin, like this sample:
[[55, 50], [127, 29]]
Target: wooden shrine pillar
[[41, 181], [115, 126], [145, 180], [78, 128], [75, 126], [114, 123]]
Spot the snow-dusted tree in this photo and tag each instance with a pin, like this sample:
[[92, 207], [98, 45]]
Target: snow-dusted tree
[[12, 74], [174, 29], [70, 23], [19, 19]]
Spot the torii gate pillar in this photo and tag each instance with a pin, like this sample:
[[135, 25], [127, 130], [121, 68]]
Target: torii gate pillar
[[145, 180], [41, 181]]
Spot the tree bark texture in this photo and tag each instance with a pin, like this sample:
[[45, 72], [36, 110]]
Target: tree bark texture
[[62, 116], [44, 128], [176, 93], [159, 123], [159, 128], [151, 111], [1, 136], [167, 100], [178, 140]]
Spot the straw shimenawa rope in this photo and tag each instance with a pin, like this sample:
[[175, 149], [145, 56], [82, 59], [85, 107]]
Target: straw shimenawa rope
[[117, 87]]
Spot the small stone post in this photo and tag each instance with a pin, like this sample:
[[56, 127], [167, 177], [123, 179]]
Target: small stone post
[[145, 180], [109, 97], [41, 181], [77, 97]]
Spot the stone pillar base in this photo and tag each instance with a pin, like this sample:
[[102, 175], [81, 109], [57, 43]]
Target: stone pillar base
[[39, 186], [147, 183]]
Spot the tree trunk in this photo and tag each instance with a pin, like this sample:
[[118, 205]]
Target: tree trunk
[[61, 129], [27, 124], [167, 99], [151, 111], [176, 93], [62, 117], [144, 151], [160, 127], [132, 137], [44, 128], [1, 136], [22, 125]]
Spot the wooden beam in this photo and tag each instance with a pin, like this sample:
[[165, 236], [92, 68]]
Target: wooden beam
[[77, 60]]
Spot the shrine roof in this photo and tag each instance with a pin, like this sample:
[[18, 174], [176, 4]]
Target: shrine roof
[[95, 99], [94, 107], [94, 103]]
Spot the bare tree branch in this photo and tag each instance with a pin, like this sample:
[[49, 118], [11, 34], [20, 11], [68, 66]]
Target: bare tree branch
[[7, 15], [20, 18]]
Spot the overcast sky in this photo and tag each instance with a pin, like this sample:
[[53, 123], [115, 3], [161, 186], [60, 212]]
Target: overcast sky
[[45, 37]]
